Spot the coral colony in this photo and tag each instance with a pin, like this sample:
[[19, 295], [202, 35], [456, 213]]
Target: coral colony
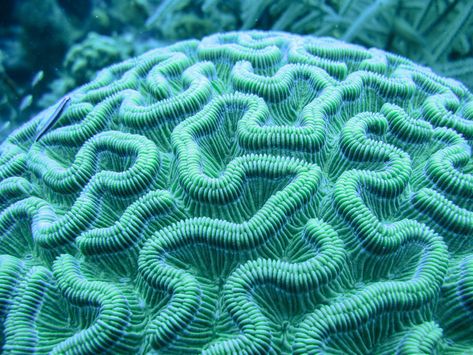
[[252, 192]]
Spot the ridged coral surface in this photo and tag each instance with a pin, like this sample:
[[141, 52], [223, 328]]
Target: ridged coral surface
[[253, 192]]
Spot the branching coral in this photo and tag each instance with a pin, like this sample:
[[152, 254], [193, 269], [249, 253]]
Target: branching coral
[[253, 192]]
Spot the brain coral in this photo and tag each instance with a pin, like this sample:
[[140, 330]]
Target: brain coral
[[253, 192]]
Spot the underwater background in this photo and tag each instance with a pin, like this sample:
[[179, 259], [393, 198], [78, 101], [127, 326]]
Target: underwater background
[[49, 47]]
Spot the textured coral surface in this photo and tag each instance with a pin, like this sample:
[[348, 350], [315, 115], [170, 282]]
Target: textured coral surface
[[253, 192]]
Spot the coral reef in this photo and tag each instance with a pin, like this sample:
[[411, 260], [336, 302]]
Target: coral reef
[[252, 192], [42, 37]]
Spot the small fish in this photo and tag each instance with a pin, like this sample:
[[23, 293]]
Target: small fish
[[54, 117], [26, 102], [37, 78]]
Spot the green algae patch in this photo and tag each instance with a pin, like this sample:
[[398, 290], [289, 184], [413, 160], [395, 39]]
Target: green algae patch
[[252, 192]]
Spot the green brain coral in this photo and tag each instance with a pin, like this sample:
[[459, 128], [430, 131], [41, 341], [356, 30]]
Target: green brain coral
[[253, 192]]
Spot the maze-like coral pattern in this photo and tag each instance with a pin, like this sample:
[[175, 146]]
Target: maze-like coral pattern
[[248, 193]]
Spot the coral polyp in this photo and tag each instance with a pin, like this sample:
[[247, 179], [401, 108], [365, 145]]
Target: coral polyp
[[252, 192]]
